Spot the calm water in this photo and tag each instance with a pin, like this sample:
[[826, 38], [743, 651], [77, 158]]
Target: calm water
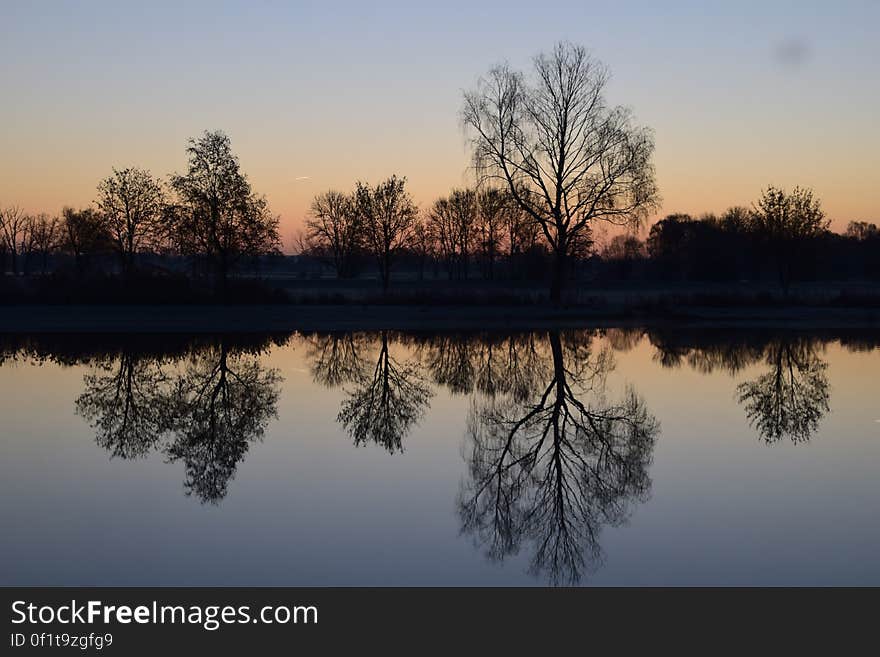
[[587, 457]]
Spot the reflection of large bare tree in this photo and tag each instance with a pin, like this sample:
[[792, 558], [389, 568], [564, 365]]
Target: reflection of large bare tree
[[790, 398], [204, 414], [383, 406], [552, 470], [127, 405]]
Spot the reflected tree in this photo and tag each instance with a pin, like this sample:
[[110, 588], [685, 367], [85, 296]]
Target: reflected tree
[[549, 472], [127, 404], [336, 359], [490, 364], [790, 399], [222, 403], [384, 406]]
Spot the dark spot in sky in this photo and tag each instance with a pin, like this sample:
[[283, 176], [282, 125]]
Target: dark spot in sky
[[792, 53]]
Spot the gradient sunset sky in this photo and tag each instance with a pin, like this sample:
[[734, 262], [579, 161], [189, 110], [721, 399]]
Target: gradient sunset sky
[[319, 95]]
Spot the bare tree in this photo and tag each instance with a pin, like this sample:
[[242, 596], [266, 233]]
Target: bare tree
[[453, 224], [493, 205], [334, 231], [521, 230], [130, 202], [13, 224], [567, 158], [46, 232], [389, 217], [217, 215], [82, 235], [862, 231], [441, 227], [422, 244], [27, 244]]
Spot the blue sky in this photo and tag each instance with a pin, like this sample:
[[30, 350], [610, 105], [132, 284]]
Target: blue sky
[[318, 95]]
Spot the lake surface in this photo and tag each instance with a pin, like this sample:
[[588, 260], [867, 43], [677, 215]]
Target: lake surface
[[591, 457]]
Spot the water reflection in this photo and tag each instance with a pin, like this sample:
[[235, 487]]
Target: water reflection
[[383, 406], [203, 409], [551, 453], [788, 400], [489, 364], [219, 405], [551, 470], [127, 404], [383, 402]]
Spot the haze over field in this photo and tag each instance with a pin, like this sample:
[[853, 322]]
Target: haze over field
[[316, 96]]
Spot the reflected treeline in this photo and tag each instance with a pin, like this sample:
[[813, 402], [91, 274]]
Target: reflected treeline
[[785, 402], [550, 459], [489, 364], [201, 401], [552, 455]]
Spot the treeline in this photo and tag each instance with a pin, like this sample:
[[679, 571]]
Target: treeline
[[783, 237], [484, 234], [469, 234], [209, 214]]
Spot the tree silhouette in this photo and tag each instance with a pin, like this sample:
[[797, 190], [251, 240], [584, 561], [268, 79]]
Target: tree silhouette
[[337, 358], [128, 405], [494, 205], [334, 231], [790, 399], [551, 471], [489, 364], [222, 403], [729, 351], [216, 213], [13, 222], [130, 202], [83, 235], [567, 158], [204, 409], [453, 224], [783, 222], [389, 217], [46, 237], [384, 407]]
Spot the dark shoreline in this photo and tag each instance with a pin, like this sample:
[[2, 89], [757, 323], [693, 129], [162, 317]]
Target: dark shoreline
[[307, 318]]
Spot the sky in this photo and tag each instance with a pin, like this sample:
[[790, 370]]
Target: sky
[[319, 95]]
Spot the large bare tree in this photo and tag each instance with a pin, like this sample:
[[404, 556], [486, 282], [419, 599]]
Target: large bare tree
[[567, 157], [130, 202]]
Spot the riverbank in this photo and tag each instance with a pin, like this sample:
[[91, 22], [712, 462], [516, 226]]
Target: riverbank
[[308, 318]]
